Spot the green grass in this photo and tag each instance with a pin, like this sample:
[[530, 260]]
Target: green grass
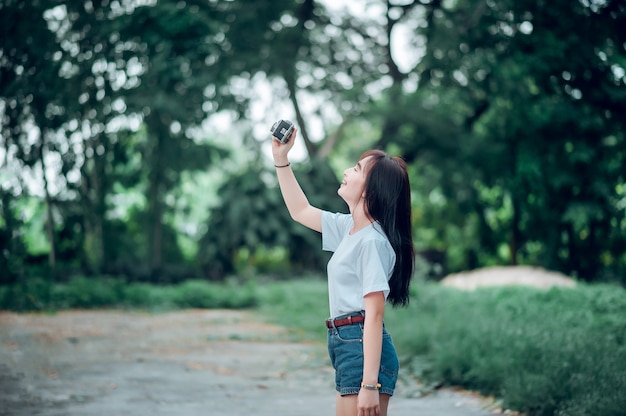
[[300, 305]]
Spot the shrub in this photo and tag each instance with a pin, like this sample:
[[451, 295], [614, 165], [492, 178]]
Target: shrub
[[86, 293], [542, 352], [31, 294], [200, 294], [82, 292]]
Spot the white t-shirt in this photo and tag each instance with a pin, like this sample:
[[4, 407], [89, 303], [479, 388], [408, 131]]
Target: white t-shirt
[[362, 263]]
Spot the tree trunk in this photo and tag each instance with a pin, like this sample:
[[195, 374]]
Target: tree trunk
[[310, 146], [390, 126], [93, 195], [515, 232], [52, 254], [156, 184], [515, 218]]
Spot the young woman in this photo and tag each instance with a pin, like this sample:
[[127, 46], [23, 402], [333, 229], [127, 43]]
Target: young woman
[[372, 264]]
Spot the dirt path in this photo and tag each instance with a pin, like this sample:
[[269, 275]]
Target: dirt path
[[196, 362]]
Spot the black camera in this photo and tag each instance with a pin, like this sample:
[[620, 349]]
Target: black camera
[[282, 130]]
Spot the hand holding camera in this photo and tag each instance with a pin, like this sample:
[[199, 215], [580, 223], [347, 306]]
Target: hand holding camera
[[281, 130]]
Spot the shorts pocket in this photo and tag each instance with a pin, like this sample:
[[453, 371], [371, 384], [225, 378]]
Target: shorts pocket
[[350, 333]]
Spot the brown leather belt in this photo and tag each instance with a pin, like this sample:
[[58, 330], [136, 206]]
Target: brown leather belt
[[349, 320]]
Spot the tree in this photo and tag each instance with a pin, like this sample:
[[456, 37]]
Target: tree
[[509, 116], [534, 118], [29, 65]]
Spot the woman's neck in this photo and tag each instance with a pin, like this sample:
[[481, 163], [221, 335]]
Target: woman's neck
[[360, 218]]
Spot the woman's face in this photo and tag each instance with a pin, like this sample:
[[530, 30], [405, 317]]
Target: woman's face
[[353, 186]]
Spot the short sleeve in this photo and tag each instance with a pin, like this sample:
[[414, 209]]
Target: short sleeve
[[375, 265], [335, 227]]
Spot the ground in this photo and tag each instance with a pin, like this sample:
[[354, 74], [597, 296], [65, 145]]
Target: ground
[[184, 363]]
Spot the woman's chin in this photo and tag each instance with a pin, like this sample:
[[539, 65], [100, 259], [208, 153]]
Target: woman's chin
[[340, 192]]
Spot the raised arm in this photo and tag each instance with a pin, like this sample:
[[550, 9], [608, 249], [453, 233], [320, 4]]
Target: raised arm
[[295, 199]]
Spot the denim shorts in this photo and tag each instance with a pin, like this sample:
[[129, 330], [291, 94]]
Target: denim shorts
[[345, 347]]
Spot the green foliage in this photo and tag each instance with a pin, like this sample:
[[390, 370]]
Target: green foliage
[[508, 102], [248, 215], [262, 261], [252, 218], [103, 292], [14, 250], [509, 113], [200, 294], [541, 352]]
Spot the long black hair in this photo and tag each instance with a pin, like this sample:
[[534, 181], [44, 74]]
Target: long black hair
[[388, 201]]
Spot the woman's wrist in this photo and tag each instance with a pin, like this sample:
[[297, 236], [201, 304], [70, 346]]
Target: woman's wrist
[[281, 163]]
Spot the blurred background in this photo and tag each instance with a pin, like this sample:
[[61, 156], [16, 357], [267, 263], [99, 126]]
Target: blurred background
[[135, 133], [135, 172]]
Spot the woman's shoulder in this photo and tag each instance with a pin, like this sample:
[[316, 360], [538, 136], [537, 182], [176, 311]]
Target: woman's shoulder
[[375, 235], [373, 246], [341, 220]]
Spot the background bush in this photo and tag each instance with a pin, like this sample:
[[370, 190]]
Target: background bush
[[87, 293], [561, 351]]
